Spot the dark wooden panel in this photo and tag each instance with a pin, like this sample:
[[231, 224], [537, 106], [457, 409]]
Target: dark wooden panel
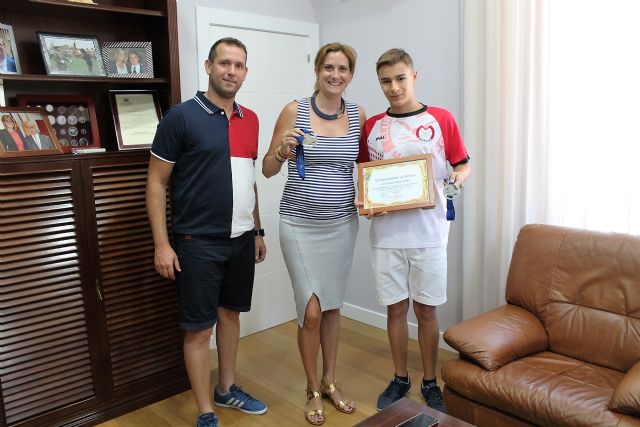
[[140, 307], [45, 361], [43, 251]]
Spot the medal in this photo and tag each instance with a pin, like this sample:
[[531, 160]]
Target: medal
[[308, 140], [451, 191]]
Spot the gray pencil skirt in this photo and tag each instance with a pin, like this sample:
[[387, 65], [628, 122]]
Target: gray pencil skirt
[[318, 255]]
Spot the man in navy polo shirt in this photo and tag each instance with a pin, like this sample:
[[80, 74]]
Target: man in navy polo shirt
[[207, 146]]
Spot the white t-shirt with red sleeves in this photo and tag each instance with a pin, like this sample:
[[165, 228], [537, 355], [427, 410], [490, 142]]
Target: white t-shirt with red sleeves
[[430, 130]]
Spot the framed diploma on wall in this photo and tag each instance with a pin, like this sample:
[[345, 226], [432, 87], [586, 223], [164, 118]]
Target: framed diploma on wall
[[136, 114], [397, 184]]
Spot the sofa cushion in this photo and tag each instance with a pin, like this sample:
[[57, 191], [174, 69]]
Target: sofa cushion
[[626, 397], [545, 389], [594, 304], [498, 337], [584, 287]]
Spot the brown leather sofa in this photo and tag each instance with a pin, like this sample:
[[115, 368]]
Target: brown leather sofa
[[565, 349]]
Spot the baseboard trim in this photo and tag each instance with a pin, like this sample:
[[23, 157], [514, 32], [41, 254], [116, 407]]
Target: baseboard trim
[[379, 320]]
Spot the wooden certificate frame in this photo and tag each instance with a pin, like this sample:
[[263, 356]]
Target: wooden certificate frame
[[136, 114], [396, 184]]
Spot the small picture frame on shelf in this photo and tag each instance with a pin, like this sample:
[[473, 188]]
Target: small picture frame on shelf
[[9, 62], [128, 59], [26, 131], [136, 114], [71, 55], [72, 118]]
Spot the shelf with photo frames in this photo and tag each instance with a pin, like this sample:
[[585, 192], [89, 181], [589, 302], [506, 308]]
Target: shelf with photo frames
[[82, 79], [92, 327], [110, 21]]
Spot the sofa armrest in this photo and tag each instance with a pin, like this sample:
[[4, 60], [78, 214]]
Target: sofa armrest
[[498, 337], [626, 397]]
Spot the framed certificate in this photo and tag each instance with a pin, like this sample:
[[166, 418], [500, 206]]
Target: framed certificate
[[397, 184], [136, 114]]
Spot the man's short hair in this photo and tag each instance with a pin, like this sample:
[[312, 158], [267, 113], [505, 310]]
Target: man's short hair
[[392, 57], [227, 40], [133, 52]]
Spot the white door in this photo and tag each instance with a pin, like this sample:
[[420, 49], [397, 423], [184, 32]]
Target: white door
[[280, 55]]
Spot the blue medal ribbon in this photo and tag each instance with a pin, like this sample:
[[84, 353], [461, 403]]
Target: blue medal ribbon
[[451, 211], [300, 153], [451, 191], [300, 159]]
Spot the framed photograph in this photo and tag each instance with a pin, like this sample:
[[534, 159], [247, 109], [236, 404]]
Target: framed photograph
[[128, 59], [26, 131], [72, 118], [398, 184], [9, 62], [71, 55], [136, 114]]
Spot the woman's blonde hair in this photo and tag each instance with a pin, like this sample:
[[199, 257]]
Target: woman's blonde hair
[[348, 51]]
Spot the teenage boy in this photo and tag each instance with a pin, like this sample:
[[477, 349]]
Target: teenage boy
[[409, 248]]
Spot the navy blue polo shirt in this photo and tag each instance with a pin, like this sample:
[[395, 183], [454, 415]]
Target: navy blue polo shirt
[[207, 149]]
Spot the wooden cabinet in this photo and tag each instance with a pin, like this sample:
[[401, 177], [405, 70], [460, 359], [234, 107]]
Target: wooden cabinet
[[88, 329]]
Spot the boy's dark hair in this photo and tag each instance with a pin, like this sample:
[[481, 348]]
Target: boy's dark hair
[[392, 57]]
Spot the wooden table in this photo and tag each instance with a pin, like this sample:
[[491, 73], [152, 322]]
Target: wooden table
[[404, 409]]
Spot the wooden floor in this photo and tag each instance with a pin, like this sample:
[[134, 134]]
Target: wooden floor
[[270, 369]]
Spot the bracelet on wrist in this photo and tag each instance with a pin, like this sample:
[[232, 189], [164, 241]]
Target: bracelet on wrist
[[258, 232], [279, 156]]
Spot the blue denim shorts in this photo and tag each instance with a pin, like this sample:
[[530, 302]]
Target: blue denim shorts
[[216, 271]]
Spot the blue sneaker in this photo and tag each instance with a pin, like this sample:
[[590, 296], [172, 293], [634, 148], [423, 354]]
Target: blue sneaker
[[394, 392], [207, 420], [433, 396], [238, 399]]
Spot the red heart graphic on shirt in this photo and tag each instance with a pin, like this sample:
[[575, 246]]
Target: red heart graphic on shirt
[[425, 133]]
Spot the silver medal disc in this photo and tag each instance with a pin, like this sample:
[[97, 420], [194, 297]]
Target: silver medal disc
[[451, 191], [309, 140]]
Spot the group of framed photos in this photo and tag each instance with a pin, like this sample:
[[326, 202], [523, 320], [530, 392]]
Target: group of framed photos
[[55, 124], [79, 55]]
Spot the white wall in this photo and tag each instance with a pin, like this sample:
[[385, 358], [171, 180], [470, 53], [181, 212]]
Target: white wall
[[428, 29]]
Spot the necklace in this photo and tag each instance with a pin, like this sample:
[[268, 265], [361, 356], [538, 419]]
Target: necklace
[[324, 115]]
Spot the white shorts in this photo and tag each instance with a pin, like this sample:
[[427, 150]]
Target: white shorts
[[419, 273]]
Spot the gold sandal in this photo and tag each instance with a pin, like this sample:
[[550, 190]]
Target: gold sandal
[[327, 391], [312, 394]]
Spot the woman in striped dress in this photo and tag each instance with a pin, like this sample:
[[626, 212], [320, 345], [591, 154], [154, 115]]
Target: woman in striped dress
[[318, 219]]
